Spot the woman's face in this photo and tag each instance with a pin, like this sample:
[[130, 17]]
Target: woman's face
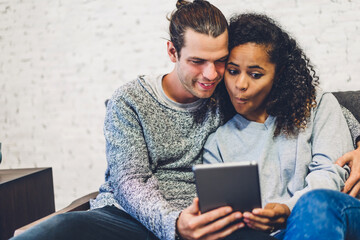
[[249, 77]]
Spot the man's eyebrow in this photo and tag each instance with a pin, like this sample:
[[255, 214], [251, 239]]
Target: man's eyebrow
[[223, 58], [196, 58], [201, 59]]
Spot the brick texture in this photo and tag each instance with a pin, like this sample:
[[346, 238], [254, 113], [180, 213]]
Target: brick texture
[[60, 60]]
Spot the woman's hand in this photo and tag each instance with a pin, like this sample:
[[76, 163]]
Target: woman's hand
[[272, 217], [191, 224], [352, 159]]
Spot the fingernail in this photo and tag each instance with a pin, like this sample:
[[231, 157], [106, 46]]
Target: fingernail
[[228, 210], [241, 225], [238, 215]]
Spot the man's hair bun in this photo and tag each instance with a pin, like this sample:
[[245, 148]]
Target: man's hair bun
[[181, 3]]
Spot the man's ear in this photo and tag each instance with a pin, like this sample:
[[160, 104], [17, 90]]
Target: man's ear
[[171, 51]]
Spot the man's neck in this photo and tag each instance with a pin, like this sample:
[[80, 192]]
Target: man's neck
[[174, 89]]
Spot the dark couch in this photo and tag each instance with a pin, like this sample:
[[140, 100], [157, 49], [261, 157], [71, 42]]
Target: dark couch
[[350, 100]]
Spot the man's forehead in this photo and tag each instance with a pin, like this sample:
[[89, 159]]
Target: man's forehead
[[203, 46]]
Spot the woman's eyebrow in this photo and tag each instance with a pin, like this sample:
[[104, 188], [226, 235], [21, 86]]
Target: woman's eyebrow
[[251, 67], [255, 66], [234, 64]]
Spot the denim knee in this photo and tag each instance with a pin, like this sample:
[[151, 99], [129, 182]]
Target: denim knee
[[324, 214], [319, 198], [327, 199]]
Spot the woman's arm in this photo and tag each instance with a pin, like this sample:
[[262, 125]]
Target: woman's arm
[[330, 139]]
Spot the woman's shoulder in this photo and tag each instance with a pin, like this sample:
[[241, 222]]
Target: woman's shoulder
[[325, 100], [326, 105]]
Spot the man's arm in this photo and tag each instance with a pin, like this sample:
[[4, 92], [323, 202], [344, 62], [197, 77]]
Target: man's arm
[[353, 124], [135, 186], [352, 159]]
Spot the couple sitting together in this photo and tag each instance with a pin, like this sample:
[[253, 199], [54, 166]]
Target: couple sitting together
[[240, 91]]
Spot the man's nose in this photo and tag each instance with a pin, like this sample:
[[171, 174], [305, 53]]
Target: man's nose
[[210, 72]]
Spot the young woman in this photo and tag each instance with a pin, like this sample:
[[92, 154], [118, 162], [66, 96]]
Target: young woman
[[284, 122]]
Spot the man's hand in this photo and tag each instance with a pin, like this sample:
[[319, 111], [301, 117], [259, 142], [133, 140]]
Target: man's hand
[[272, 217], [352, 159], [210, 225]]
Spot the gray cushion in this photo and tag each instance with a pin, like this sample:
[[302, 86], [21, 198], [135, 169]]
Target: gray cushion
[[350, 100]]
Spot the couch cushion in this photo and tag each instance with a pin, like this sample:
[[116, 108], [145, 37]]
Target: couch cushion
[[350, 100]]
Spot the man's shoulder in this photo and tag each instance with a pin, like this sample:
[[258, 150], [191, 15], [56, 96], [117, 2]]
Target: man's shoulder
[[132, 90], [130, 87]]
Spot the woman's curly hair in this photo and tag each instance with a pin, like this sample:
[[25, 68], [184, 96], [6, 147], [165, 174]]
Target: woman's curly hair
[[293, 93]]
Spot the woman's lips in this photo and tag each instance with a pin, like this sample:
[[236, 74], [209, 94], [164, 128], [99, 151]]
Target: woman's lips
[[241, 100]]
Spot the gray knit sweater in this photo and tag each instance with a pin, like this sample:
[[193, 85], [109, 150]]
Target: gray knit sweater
[[150, 149]]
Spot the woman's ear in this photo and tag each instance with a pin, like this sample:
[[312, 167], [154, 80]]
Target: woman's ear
[[171, 51]]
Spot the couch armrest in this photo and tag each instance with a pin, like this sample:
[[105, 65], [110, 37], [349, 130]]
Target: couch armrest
[[80, 204]]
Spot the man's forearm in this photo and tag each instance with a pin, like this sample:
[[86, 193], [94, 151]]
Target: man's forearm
[[353, 124]]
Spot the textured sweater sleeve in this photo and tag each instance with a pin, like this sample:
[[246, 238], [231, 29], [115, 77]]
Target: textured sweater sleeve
[[330, 139], [353, 124], [135, 186]]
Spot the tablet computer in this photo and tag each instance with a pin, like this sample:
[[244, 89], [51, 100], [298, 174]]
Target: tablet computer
[[233, 184]]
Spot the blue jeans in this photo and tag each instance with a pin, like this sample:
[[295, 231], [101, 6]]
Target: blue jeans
[[324, 214], [108, 223]]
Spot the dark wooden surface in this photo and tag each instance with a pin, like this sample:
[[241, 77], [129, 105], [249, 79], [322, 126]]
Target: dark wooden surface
[[25, 196], [80, 204]]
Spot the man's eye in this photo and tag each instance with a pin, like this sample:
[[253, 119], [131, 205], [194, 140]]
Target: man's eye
[[233, 72], [256, 75], [222, 60], [197, 61]]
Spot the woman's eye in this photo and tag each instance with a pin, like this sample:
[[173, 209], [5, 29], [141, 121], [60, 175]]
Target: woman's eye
[[256, 75], [232, 72]]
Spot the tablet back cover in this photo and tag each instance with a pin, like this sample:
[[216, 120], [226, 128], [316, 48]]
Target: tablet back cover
[[235, 185]]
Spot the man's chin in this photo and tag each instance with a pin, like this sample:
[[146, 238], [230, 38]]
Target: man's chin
[[204, 95]]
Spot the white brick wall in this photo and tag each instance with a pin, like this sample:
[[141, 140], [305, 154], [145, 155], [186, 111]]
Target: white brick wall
[[59, 61]]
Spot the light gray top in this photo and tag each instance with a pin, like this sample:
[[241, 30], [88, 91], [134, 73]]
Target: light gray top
[[288, 166], [154, 84]]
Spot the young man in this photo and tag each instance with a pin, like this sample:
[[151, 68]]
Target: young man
[[155, 129]]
